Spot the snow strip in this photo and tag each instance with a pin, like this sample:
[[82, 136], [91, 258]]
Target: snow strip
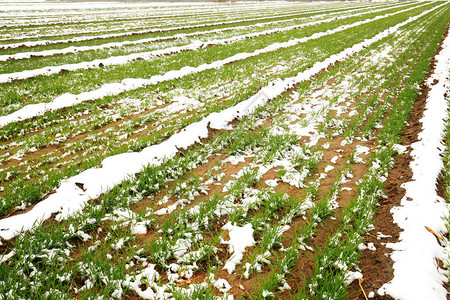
[[136, 25], [147, 22], [128, 84], [69, 199], [416, 274], [116, 35], [194, 12], [147, 31], [65, 15], [124, 59], [72, 49]]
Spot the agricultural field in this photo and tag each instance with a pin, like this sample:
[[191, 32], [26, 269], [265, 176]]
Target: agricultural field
[[247, 150]]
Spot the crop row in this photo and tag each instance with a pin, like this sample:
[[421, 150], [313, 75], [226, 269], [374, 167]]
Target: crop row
[[77, 147], [99, 42], [306, 165]]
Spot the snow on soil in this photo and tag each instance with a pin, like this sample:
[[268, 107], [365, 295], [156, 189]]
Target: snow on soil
[[240, 238], [119, 60], [179, 36], [69, 198], [111, 89], [416, 273]]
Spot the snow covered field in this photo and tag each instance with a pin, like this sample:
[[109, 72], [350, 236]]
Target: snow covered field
[[247, 150]]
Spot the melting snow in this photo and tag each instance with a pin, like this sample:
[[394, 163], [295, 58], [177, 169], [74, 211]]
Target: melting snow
[[69, 199], [240, 238], [416, 274]]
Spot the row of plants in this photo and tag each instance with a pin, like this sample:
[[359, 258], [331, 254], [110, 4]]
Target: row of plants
[[177, 19], [45, 88], [101, 275], [54, 168]]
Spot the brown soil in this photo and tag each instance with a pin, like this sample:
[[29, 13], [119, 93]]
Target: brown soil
[[305, 264], [297, 278], [377, 266]]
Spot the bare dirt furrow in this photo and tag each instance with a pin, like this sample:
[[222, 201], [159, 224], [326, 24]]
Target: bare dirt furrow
[[376, 265]]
